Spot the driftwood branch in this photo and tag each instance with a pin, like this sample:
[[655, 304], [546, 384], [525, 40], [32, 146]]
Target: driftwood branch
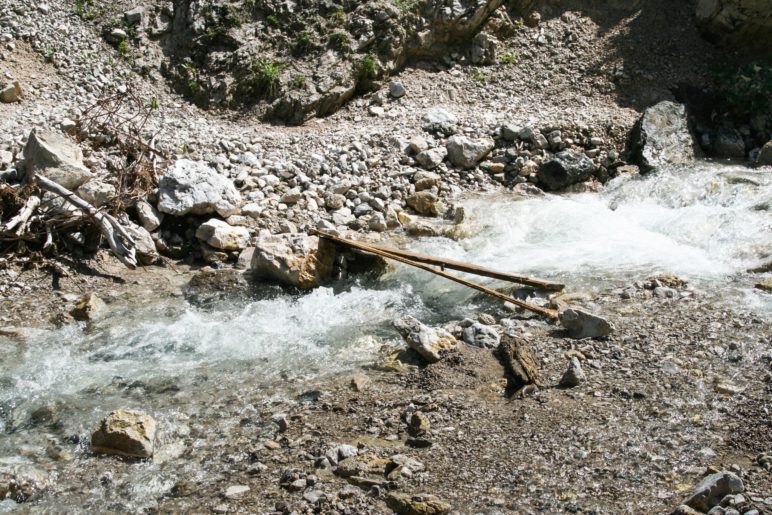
[[23, 217], [121, 243], [520, 361], [398, 255]]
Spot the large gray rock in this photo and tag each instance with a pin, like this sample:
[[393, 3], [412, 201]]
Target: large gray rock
[[193, 187], [222, 235], [729, 143], [566, 168], [125, 433], [55, 157], [295, 259], [148, 215], [581, 324], [713, 488], [430, 343], [765, 155], [662, 137], [481, 335], [466, 153]]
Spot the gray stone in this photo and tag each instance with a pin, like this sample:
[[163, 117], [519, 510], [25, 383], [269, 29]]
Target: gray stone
[[466, 153], [397, 89], [566, 168], [116, 35], [662, 137], [729, 143], [125, 433], [134, 16], [223, 236], [574, 375], [96, 193], [430, 343], [292, 196], [10, 92], [765, 155], [510, 132], [481, 335], [581, 324], [739, 24], [334, 201], [295, 259], [148, 215], [89, 307], [53, 156], [440, 120], [193, 187], [426, 180], [245, 258], [235, 491], [713, 488], [144, 244], [432, 158], [378, 223]]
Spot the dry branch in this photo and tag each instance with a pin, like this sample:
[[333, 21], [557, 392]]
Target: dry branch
[[23, 217]]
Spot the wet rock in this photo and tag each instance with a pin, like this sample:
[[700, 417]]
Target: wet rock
[[481, 335], [10, 92], [425, 203], [430, 343], [765, 285], [125, 433], [581, 324], [148, 215], [294, 259], [566, 168], [431, 158], [765, 155], [713, 488], [210, 284], [662, 137], [22, 485], [96, 193], [740, 24], [574, 375], [421, 504], [439, 120], [222, 235], [193, 187], [466, 153], [53, 156], [89, 307], [729, 143]]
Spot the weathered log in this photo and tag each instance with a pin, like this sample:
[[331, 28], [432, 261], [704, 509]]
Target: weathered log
[[23, 217], [520, 361], [121, 243], [550, 313]]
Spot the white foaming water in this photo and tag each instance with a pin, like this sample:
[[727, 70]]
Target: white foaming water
[[704, 223]]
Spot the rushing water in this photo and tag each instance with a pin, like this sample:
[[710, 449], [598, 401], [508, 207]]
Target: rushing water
[[707, 223]]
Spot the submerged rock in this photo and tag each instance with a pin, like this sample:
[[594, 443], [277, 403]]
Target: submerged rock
[[125, 433], [581, 324], [193, 187], [53, 156], [662, 137], [294, 259], [430, 343]]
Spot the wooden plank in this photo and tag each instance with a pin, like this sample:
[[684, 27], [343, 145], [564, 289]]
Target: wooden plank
[[550, 313]]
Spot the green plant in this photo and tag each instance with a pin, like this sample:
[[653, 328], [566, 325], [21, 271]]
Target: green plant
[[153, 104], [508, 58], [368, 67], [48, 53], [298, 81], [745, 91], [272, 20], [479, 75], [84, 9], [124, 49], [339, 17], [304, 43], [339, 40], [406, 5], [263, 77]]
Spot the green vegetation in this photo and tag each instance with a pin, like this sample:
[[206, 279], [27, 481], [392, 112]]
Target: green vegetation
[[298, 81], [304, 44], [272, 20], [124, 49], [339, 17], [406, 5], [368, 68], [508, 58], [263, 77], [340, 40], [479, 75], [153, 104], [745, 91], [191, 74], [84, 9], [48, 53]]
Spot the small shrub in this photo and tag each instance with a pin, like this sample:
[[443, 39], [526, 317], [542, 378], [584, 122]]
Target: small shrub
[[298, 81], [406, 5], [508, 58], [153, 104], [272, 20], [339, 40], [368, 67], [479, 76], [339, 17], [304, 43], [124, 49], [263, 77]]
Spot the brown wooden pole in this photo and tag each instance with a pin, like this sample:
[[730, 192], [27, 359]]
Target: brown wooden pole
[[550, 313]]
